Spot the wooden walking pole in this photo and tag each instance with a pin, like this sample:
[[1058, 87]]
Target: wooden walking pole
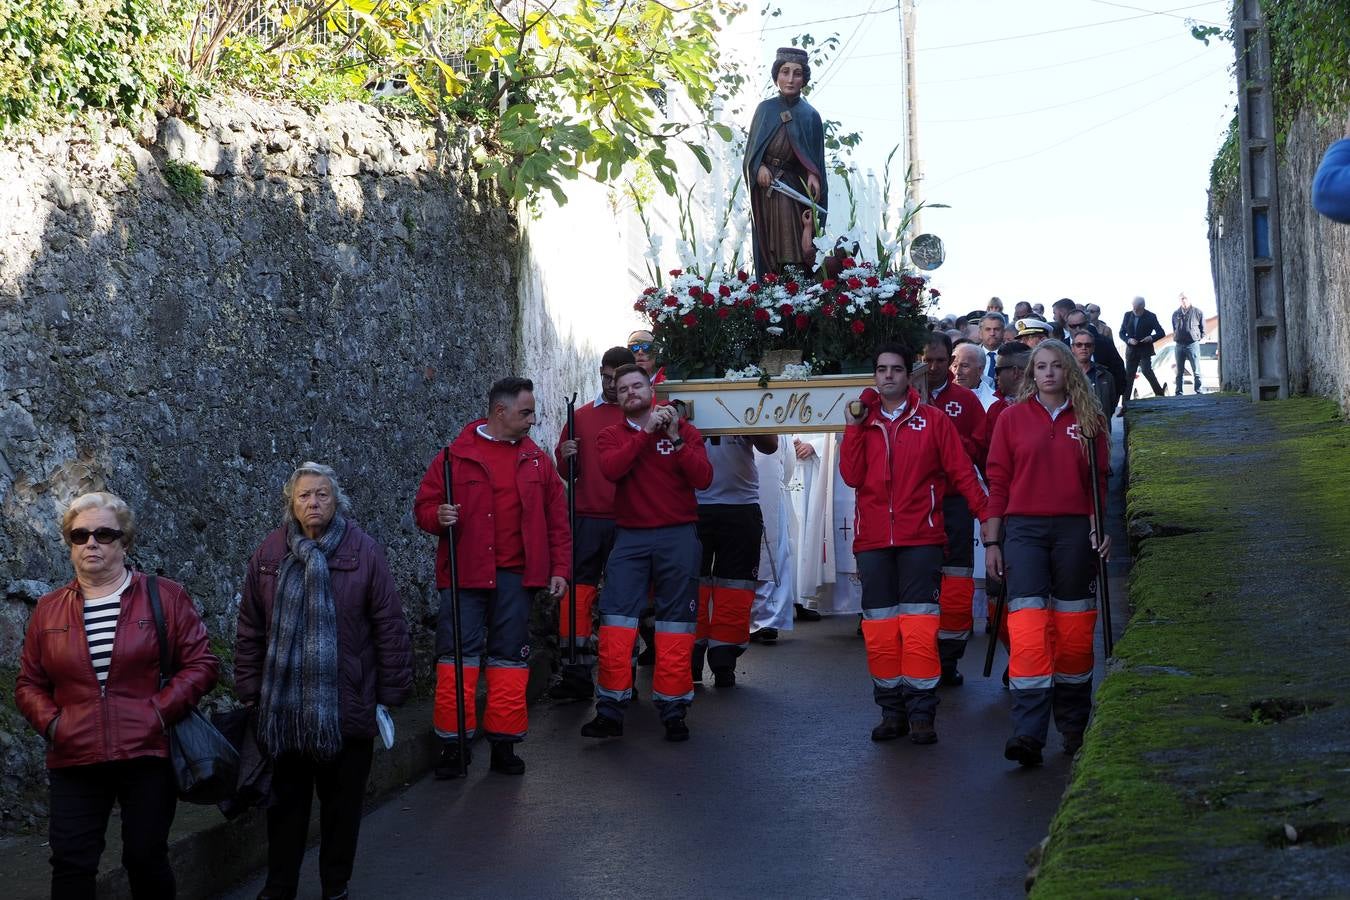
[[457, 629], [1103, 589]]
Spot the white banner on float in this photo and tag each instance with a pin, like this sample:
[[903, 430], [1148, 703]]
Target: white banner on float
[[719, 406]]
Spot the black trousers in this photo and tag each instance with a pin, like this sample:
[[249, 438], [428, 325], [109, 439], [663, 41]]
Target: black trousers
[[82, 799], [1137, 362], [341, 785]]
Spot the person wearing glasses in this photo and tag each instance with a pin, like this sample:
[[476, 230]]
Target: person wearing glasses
[[594, 534], [89, 682], [1083, 344], [1105, 355], [641, 346]]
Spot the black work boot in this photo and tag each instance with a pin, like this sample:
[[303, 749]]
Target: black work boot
[[724, 676], [602, 727], [890, 728], [676, 730], [1073, 742], [1023, 750], [921, 731], [504, 759], [447, 764]]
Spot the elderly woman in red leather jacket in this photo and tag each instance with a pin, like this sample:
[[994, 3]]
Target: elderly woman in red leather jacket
[[89, 682]]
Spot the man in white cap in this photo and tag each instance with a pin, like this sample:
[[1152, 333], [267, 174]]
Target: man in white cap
[[1031, 331]]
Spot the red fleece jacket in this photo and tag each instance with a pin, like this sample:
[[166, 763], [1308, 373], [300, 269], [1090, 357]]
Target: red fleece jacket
[[595, 492], [1039, 467], [654, 481]]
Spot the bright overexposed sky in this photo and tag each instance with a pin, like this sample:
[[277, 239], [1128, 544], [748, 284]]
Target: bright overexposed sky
[[1072, 138]]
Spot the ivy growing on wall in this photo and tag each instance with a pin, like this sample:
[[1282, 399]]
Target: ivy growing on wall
[[1310, 68]]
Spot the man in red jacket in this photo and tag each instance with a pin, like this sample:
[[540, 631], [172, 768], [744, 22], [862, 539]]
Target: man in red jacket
[[657, 462], [900, 456], [958, 568], [512, 540], [594, 535]]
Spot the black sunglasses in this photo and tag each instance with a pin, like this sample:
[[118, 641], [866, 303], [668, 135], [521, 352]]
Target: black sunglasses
[[641, 347], [81, 536]]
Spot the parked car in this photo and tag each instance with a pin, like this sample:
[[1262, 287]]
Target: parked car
[[1165, 367]]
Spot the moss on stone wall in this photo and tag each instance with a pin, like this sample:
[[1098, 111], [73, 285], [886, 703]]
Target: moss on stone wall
[[1214, 764]]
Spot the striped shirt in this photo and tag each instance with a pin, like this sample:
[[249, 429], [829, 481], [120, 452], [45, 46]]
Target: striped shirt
[[100, 626]]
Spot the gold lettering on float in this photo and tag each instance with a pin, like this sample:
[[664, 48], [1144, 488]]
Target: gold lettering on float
[[754, 413]]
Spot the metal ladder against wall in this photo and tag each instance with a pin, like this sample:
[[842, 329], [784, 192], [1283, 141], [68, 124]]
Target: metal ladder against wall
[[1268, 354]]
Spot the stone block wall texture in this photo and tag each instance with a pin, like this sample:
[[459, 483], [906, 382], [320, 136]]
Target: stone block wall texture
[[343, 289], [1316, 277]]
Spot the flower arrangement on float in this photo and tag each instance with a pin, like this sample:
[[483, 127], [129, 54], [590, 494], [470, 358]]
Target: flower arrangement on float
[[727, 323]]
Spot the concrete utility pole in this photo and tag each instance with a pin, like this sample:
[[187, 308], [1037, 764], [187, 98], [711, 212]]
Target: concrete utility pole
[[1268, 353], [911, 94]]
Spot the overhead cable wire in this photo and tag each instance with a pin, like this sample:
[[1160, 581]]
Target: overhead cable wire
[[1041, 109], [1077, 134], [1032, 34], [860, 15], [1161, 13], [1003, 74], [835, 62]]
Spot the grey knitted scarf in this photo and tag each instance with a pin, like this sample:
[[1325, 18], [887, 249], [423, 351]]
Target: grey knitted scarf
[[298, 707]]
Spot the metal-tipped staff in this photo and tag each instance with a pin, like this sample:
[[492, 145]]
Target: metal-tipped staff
[[1103, 590], [572, 526], [996, 627], [457, 630]]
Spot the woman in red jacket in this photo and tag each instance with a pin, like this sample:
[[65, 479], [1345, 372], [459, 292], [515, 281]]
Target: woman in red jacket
[[89, 682], [1041, 530]]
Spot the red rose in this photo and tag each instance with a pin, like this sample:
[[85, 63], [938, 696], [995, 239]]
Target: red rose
[[748, 303], [827, 309], [792, 288], [761, 315], [649, 291], [854, 283], [889, 309], [640, 305], [676, 273], [858, 327], [872, 281], [671, 300], [850, 263], [829, 284], [754, 288], [708, 299], [934, 292], [723, 312], [802, 322], [743, 276], [724, 290], [689, 320], [771, 278], [786, 309], [695, 292]]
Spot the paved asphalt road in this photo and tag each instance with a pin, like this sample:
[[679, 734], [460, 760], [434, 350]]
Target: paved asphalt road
[[779, 793]]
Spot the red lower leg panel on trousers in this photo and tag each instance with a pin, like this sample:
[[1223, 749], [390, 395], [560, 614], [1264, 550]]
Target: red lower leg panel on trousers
[[882, 638], [616, 657], [730, 622], [705, 602], [1073, 654], [920, 666], [445, 716], [505, 716], [1029, 660], [673, 677], [957, 620], [585, 594]]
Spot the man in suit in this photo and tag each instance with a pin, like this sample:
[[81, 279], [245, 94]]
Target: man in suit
[[1139, 329]]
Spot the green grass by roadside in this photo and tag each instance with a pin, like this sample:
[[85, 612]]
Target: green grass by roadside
[[1218, 760]]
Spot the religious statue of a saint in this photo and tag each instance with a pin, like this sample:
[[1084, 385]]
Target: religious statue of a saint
[[785, 155]]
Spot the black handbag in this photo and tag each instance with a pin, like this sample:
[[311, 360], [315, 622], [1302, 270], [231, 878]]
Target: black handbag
[[205, 764]]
